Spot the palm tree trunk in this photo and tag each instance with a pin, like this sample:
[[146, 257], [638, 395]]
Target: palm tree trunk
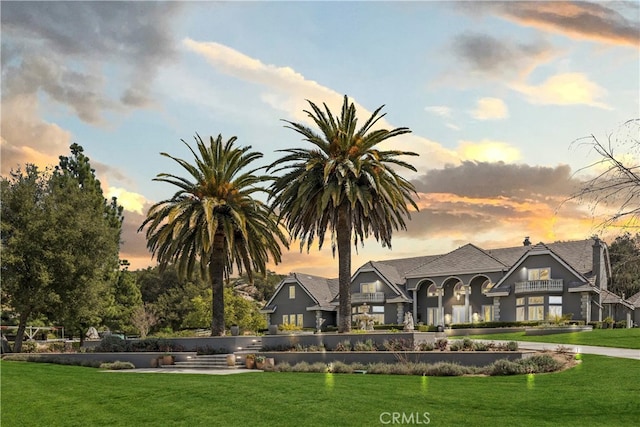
[[216, 275], [343, 237]]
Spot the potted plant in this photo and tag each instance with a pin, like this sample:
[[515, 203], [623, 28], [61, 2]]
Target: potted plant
[[167, 359], [250, 361], [260, 361], [235, 330]]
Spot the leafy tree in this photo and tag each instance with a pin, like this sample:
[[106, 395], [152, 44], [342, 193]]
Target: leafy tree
[[88, 229], [261, 289], [213, 220], [616, 184], [624, 253], [60, 242], [125, 299], [153, 282], [343, 184], [238, 311], [27, 253]]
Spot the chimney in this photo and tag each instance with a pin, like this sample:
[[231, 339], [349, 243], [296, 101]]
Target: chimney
[[596, 259], [527, 242]]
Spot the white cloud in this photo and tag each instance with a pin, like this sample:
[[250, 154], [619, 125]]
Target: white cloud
[[490, 109], [439, 110], [130, 201], [564, 89]]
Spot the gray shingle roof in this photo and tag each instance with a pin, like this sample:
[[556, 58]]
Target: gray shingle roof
[[635, 300], [468, 258], [320, 288]]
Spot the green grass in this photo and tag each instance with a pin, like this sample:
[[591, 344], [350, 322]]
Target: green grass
[[622, 338], [600, 391]]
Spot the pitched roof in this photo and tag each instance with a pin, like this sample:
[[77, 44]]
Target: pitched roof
[[319, 288], [466, 259], [635, 300], [608, 297]]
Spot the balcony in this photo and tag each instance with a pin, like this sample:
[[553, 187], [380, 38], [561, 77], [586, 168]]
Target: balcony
[[552, 285], [367, 297]]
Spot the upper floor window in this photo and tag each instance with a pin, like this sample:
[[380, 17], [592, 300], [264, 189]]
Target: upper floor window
[[292, 292], [486, 286], [539, 273], [432, 291], [368, 288]]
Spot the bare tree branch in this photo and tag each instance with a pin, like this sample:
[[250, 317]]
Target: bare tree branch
[[615, 188]]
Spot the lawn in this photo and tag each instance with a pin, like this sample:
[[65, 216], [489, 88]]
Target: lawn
[[622, 338], [600, 391]]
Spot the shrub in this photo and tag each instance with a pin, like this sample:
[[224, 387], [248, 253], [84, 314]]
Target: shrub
[[341, 368], [117, 365], [29, 347], [481, 346], [399, 344], [427, 328], [56, 347], [455, 346], [368, 345], [111, 344], [512, 346], [539, 363], [289, 327], [447, 369], [467, 344], [59, 360], [442, 343], [426, 346], [343, 346], [504, 367]]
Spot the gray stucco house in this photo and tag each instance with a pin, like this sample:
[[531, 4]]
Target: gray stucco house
[[470, 284]]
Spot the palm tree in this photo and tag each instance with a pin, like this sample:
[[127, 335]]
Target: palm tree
[[213, 221], [342, 184]]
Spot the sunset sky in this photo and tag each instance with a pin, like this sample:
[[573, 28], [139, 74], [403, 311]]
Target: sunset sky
[[494, 92]]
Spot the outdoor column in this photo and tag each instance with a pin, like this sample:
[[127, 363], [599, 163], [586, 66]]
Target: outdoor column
[[400, 313], [629, 323], [440, 308], [415, 305], [318, 320], [466, 304]]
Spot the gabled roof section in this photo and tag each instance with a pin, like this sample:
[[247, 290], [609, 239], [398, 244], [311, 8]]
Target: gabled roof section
[[320, 289], [466, 259], [608, 297], [542, 249], [635, 300]]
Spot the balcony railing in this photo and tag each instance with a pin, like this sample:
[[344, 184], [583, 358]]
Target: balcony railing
[[367, 297], [552, 285]]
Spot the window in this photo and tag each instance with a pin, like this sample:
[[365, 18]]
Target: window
[[432, 316], [487, 313], [377, 309], [300, 320], [520, 309], [536, 312], [555, 300], [285, 319], [292, 292], [432, 291], [555, 307], [368, 288], [539, 273], [486, 286], [536, 300]]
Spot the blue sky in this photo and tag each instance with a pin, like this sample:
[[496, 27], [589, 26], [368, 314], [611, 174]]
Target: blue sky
[[494, 92]]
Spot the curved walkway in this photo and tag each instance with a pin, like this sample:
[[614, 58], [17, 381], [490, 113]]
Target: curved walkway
[[626, 353]]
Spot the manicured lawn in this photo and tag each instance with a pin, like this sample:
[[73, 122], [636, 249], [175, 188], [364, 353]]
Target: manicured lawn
[[600, 391], [622, 338]]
